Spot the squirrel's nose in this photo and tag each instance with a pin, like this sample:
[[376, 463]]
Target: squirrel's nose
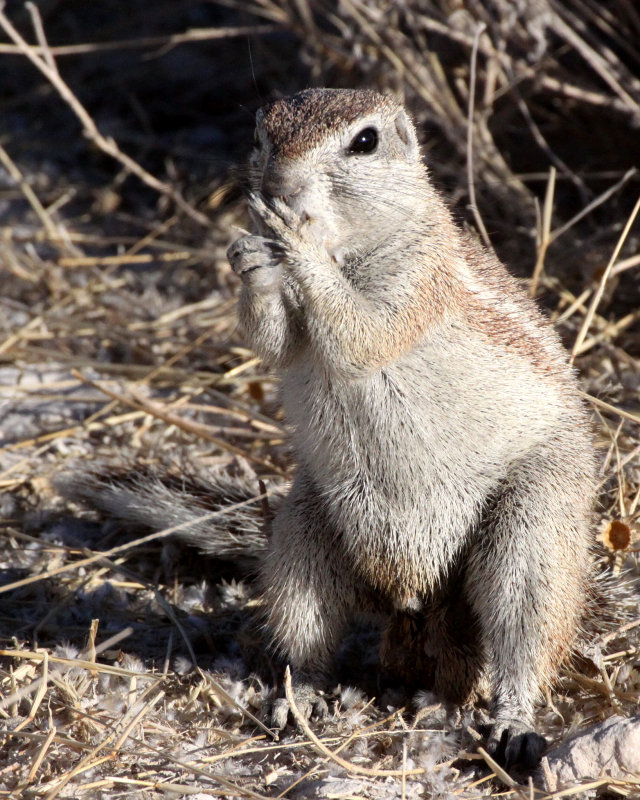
[[280, 180]]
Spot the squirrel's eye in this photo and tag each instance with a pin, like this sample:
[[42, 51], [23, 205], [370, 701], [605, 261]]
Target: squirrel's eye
[[364, 142]]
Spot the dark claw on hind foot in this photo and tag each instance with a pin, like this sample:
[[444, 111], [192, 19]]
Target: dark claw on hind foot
[[517, 750]]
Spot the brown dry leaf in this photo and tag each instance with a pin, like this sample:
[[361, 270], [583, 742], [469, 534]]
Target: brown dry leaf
[[617, 535], [256, 391]]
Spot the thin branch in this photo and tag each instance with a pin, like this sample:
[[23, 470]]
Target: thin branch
[[136, 401], [54, 232], [603, 282], [619, 412], [128, 546], [545, 228], [470, 178], [38, 27], [91, 131], [356, 769], [163, 42], [598, 201]]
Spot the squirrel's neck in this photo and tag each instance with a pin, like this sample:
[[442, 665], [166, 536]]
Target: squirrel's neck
[[426, 236]]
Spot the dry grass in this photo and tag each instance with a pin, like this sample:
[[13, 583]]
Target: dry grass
[[129, 666]]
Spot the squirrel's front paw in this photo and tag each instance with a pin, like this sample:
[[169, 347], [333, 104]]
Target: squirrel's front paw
[[277, 216], [257, 261], [309, 703], [297, 235]]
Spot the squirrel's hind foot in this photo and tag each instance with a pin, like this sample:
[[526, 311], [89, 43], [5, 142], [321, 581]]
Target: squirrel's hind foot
[[513, 745]]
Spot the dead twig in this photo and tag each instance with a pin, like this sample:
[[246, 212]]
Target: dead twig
[[324, 750], [154, 409], [54, 232], [577, 347], [545, 228], [473, 206], [128, 546], [163, 43], [108, 146]]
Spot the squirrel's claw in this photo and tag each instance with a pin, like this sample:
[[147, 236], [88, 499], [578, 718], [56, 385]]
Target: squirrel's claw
[[276, 215], [513, 746]]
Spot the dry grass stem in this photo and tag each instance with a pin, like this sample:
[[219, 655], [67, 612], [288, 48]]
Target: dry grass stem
[[51, 228], [142, 43], [470, 176], [91, 131], [577, 347], [155, 410], [332, 755], [244, 711], [128, 546], [545, 232]]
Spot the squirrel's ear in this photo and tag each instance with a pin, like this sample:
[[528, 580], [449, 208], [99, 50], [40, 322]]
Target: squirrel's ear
[[407, 134]]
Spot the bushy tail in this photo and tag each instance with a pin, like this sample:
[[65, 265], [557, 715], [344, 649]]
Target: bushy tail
[[156, 501]]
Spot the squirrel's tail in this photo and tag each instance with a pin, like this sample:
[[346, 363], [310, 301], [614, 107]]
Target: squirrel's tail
[[149, 500]]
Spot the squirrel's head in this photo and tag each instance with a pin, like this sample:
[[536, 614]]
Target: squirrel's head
[[346, 160]]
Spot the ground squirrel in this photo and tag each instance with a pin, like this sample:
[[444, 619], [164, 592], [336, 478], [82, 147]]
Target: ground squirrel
[[444, 465], [445, 473]]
